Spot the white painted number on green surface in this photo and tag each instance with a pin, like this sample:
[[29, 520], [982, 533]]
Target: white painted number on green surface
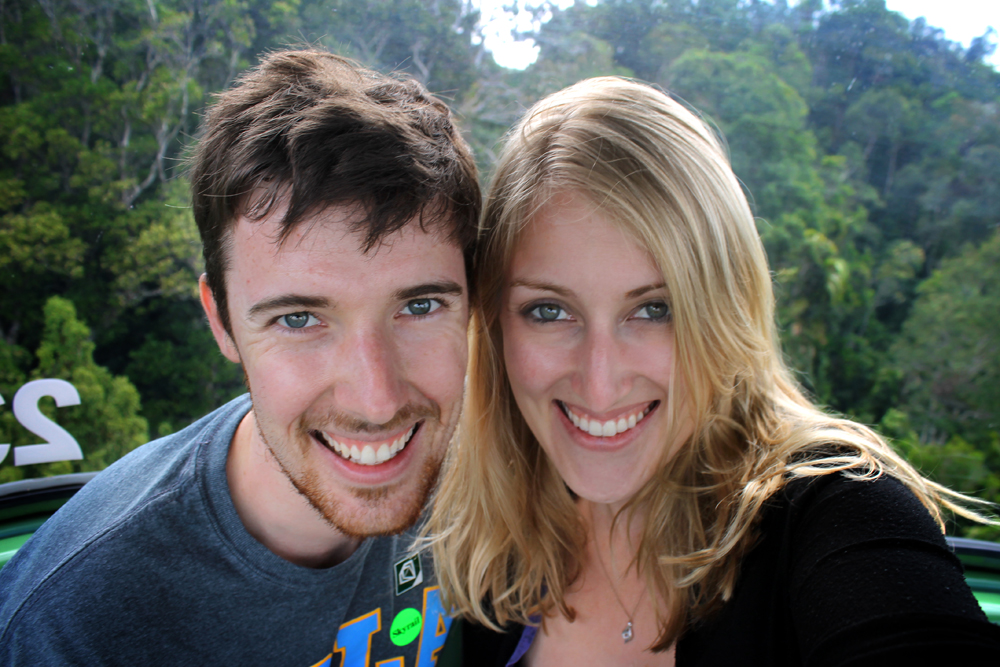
[[59, 445]]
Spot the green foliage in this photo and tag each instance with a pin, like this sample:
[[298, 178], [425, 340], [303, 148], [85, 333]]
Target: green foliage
[[106, 424], [160, 254], [434, 42], [178, 368], [949, 350], [762, 117], [569, 58], [431, 41], [97, 104], [955, 463]]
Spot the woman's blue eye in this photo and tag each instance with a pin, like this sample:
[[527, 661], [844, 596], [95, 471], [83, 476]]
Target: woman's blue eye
[[653, 311], [297, 320], [548, 312], [421, 306]]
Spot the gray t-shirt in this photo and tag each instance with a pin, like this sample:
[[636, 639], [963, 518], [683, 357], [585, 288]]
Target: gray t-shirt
[[149, 564]]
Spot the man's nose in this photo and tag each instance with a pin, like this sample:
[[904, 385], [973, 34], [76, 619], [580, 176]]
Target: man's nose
[[370, 385]]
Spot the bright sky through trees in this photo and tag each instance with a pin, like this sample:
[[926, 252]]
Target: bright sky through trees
[[961, 20], [500, 26]]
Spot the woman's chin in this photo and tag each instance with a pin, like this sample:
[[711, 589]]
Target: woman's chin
[[611, 493]]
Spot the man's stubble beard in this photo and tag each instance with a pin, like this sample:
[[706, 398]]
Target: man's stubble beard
[[386, 514]]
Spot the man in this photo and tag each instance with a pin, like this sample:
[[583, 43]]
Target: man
[[337, 208]]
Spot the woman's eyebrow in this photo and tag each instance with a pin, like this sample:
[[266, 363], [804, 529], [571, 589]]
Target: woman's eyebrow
[[544, 287], [639, 291]]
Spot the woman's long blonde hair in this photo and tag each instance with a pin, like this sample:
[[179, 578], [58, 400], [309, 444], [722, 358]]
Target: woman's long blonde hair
[[506, 535]]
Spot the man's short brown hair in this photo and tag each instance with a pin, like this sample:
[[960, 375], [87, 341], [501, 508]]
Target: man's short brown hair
[[312, 130]]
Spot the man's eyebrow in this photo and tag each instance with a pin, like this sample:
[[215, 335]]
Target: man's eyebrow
[[429, 289], [288, 301], [543, 287], [639, 291]]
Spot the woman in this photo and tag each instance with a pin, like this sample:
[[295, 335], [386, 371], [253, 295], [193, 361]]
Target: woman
[[639, 473]]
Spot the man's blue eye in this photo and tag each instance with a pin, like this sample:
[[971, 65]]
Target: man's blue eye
[[548, 312], [421, 306], [295, 320]]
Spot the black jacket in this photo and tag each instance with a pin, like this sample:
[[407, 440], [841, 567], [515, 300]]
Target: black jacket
[[845, 573]]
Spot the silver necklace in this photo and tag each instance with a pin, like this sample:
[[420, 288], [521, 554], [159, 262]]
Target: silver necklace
[[627, 633]]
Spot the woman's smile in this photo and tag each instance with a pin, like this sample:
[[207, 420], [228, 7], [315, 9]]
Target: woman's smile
[[625, 420], [600, 434]]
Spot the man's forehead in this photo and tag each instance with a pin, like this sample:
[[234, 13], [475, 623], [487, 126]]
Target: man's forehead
[[340, 229], [325, 258]]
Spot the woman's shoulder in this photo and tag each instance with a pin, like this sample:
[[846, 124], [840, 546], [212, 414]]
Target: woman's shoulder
[[822, 487], [845, 567], [840, 509], [868, 569]]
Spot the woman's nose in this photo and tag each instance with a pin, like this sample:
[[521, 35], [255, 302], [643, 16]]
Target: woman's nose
[[602, 374]]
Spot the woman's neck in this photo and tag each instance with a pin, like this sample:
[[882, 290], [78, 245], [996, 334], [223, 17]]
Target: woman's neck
[[615, 622], [620, 537]]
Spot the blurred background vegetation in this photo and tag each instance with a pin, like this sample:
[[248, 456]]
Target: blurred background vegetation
[[870, 146]]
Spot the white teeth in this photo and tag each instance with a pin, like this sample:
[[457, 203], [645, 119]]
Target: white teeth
[[608, 428], [368, 455]]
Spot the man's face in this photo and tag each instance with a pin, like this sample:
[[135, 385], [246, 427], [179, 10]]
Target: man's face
[[355, 362]]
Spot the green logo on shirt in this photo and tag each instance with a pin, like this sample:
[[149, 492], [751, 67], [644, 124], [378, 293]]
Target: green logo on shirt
[[408, 574], [405, 627]]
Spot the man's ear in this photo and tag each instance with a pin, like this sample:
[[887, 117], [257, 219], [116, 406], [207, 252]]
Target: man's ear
[[222, 337]]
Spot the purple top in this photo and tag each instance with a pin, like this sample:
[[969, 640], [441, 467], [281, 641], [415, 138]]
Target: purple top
[[527, 636]]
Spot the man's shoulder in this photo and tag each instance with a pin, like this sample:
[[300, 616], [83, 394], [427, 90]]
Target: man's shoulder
[[157, 468], [118, 519], [161, 464]]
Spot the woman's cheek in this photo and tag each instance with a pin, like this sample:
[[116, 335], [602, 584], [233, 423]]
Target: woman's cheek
[[534, 371]]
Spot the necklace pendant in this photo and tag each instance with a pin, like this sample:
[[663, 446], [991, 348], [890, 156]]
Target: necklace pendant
[[627, 633]]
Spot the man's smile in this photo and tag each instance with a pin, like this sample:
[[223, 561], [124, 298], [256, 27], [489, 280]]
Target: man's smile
[[366, 452]]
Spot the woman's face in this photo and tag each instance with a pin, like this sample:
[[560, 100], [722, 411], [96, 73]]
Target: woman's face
[[588, 344]]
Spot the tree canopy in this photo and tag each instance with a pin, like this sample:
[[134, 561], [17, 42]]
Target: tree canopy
[[869, 146]]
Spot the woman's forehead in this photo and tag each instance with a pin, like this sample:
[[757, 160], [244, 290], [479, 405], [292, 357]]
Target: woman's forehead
[[571, 241]]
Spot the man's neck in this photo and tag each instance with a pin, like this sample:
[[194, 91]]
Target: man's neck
[[273, 511]]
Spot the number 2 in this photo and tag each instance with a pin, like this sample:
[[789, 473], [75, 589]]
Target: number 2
[[59, 445]]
